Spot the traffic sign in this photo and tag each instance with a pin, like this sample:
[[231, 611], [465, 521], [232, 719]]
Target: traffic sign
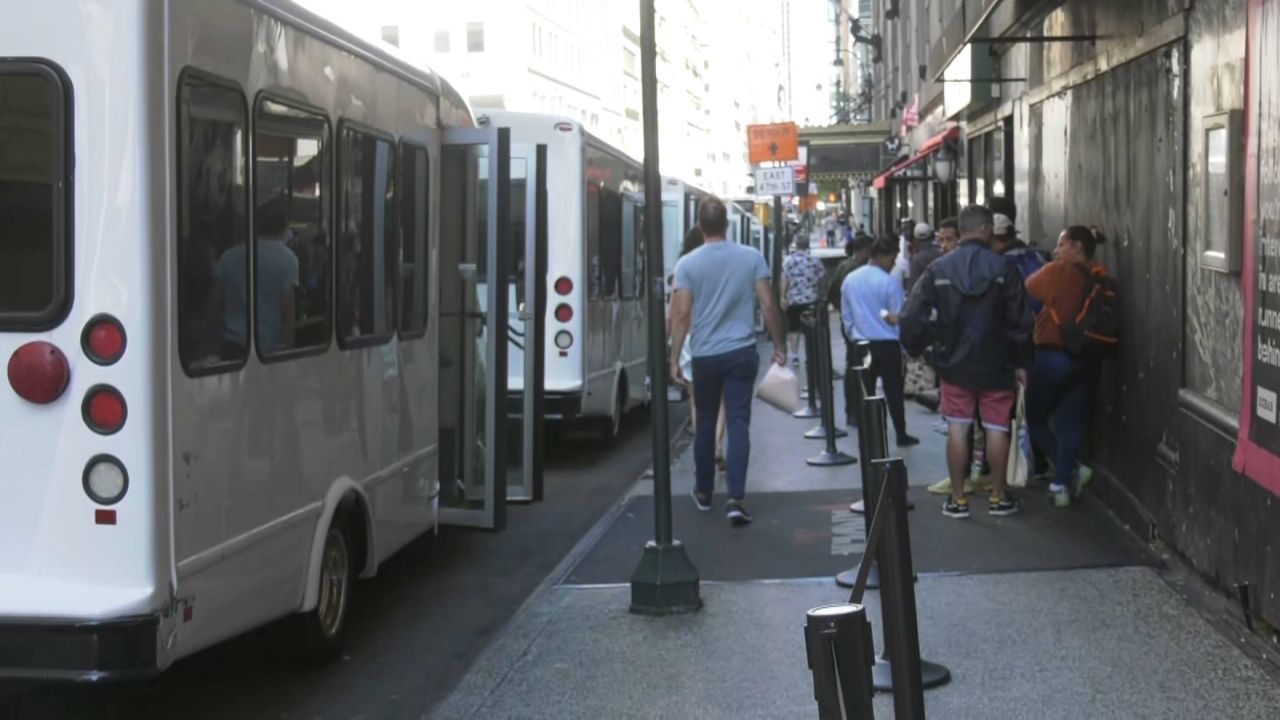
[[778, 142], [775, 181]]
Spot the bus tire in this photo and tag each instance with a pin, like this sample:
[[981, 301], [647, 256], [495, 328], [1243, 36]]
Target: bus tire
[[611, 427], [323, 628]]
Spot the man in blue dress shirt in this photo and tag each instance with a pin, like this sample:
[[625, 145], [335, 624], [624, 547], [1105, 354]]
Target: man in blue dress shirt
[[871, 300]]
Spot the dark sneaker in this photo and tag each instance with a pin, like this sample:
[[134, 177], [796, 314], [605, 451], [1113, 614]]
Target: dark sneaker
[[737, 513], [1000, 506], [703, 502], [958, 510], [907, 440]]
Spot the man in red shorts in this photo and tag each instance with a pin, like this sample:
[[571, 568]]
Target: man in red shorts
[[969, 313]]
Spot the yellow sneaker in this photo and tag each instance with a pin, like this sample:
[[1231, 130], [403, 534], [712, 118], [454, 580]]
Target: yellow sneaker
[[943, 486]]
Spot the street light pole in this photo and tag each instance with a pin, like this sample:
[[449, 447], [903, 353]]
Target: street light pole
[[666, 582]]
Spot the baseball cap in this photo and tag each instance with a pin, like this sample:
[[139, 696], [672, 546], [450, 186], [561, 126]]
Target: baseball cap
[[923, 231], [1002, 225]]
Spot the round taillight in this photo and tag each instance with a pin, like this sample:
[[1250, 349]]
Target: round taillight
[[103, 340], [105, 480], [564, 339], [564, 313], [564, 286], [38, 372], [104, 410]]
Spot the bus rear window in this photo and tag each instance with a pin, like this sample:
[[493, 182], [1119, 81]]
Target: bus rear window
[[35, 255]]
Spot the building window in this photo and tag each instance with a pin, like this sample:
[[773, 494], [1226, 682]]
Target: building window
[[391, 35], [475, 37], [213, 225], [442, 41], [35, 197], [292, 278], [415, 208], [366, 261], [629, 62]]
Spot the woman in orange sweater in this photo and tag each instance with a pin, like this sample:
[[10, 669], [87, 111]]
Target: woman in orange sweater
[[1060, 381]]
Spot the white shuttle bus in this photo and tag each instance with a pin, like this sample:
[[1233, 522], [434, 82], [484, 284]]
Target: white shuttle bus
[[597, 337], [242, 289], [679, 215]]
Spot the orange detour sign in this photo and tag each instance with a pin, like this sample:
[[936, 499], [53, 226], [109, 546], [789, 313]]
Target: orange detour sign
[[773, 143]]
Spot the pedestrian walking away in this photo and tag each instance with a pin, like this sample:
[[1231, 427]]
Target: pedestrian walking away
[[713, 293], [969, 313], [1062, 378], [801, 288], [870, 308], [692, 241]]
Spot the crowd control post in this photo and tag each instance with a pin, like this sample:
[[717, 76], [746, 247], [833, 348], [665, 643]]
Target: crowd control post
[[810, 394], [840, 649], [820, 329], [873, 444], [830, 456], [666, 582]]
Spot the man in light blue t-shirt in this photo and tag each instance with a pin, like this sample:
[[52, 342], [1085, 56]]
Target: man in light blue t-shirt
[[716, 289]]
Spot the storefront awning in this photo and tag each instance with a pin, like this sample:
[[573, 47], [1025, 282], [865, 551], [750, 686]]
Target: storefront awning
[[930, 146]]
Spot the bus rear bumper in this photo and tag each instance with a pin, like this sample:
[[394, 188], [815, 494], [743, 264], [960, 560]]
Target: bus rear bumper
[[90, 651], [555, 406]]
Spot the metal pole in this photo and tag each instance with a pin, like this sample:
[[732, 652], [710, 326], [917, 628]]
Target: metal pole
[[666, 582], [810, 394], [819, 363], [838, 644], [775, 264], [830, 456]]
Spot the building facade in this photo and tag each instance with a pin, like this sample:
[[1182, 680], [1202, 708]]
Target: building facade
[[1134, 117]]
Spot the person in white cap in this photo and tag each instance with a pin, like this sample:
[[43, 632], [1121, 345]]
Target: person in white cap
[[923, 252]]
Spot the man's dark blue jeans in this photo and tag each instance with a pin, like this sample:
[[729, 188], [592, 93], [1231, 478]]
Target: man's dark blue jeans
[[731, 376]]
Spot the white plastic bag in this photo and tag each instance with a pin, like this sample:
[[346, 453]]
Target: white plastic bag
[[1018, 469], [780, 388]]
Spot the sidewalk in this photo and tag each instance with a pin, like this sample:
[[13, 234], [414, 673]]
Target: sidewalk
[[1047, 614]]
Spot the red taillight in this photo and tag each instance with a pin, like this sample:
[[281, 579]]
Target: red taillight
[[103, 340], [104, 409], [564, 313], [38, 372], [564, 127], [564, 286]]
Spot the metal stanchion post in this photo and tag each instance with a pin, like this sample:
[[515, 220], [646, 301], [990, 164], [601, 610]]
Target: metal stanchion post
[[901, 668], [830, 456], [873, 444], [822, 376], [810, 394], [838, 644]]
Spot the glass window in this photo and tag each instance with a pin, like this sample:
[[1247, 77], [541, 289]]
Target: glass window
[[442, 41], [519, 224], [630, 268], [292, 278], [610, 240], [475, 37], [366, 262], [415, 214], [213, 225], [594, 279], [35, 252]]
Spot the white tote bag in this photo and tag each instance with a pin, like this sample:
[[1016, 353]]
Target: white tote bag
[[780, 388], [1019, 467]]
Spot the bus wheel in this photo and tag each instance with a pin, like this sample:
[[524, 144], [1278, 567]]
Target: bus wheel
[[325, 626], [612, 427]]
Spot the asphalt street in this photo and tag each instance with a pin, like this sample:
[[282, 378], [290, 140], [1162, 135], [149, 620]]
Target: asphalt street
[[415, 628]]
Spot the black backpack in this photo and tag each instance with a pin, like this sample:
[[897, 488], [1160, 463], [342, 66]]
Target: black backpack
[[1095, 329]]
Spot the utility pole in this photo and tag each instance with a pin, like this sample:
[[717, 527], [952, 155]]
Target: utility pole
[[666, 582]]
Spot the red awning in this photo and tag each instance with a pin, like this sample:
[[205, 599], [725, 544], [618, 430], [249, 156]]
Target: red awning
[[930, 146]]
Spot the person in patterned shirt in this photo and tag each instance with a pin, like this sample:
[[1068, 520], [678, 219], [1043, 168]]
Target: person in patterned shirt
[[801, 287]]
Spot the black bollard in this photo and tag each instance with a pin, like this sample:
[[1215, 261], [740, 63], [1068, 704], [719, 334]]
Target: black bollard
[[873, 444], [822, 378], [810, 410], [840, 650], [830, 456], [900, 668]]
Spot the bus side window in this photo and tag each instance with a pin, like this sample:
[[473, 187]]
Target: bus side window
[[292, 277], [610, 240], [629, 267], [213, 225], [366, 266], [415, 196], [594, 279]]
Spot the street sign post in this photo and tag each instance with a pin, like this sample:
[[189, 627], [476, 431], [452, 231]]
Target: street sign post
[[775, 180], [777, 142]]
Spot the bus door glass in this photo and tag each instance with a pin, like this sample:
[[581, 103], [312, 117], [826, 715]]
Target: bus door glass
[[475, 219], [526, 322]]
